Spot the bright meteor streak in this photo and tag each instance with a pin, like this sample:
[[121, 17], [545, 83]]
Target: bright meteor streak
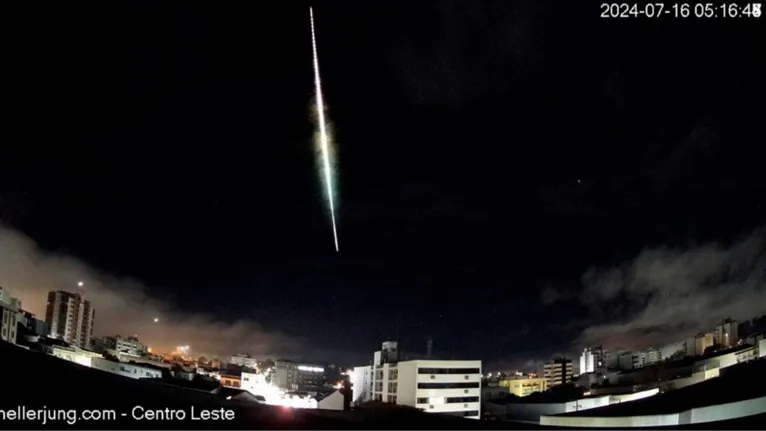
[[323, 132]]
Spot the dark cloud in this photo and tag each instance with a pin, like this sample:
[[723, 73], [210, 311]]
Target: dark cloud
[[668, 293], [125, 306]]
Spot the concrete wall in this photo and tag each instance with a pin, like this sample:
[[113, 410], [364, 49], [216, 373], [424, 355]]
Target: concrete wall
[[610, 422], [530, 411], [728, 411], [534, 411], [713, 413], [126, 370], [74, 354], [587, 403], [334, 401], [624, 398]]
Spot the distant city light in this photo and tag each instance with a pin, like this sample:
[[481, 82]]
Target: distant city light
[[156, 319], [80, 283], [311, 369]]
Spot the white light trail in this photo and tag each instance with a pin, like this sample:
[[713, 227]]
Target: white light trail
[[323, 131]]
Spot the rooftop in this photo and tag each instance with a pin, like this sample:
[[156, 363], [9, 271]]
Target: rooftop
[[103, 390], [734, 384]]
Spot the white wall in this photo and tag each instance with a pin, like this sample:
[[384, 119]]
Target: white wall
[[587, 403], [360, 381], [535, 411], [436, 397], [334, 401], [74, 354], [729, 411], [624, 398], [408, 372], [126, 370], [610, 422], [713, 413], [762, 348]]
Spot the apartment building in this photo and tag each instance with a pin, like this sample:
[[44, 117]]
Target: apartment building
[[445, 387], [558, 372], [70, 318]]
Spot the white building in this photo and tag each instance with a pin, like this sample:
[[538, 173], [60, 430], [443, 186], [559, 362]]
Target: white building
[[244, 361], [593, 359], [9, 309], [118, 345], [446, 387], [70, 318], [134, 371], [587, 361], [73, 354], [653, 356], [725, 334]]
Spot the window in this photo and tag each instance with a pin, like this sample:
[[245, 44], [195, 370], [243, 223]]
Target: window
[[422, 400], [448, 385], [463, 413], [462, 400], [449, 371]]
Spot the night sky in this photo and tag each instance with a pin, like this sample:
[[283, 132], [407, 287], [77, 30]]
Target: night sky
[[516, 179]]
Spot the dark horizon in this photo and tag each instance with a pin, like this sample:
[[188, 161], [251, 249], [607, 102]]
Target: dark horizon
[[515, 180]]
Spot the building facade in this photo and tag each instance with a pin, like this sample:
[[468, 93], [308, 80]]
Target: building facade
[[70, 318], [132, 370], [726, 334], [120, 345], [558, 372], [244, 361], [593, 359], [33, 325], [10, 309], [291, 376], [72, 354], [446, 387], [523, 386]]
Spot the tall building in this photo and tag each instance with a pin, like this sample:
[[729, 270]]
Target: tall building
[[9, 309], [290, 375], [594, 359], [558, 372], [726, 334], [446, 387], [70, 318]]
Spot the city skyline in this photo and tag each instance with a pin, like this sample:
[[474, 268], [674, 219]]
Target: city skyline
[[509, 185], [124, 300]]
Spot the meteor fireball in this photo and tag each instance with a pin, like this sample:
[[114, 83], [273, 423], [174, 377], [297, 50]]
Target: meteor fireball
[[323, 139]]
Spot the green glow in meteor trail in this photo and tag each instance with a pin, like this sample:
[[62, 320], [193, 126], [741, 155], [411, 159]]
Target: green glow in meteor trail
[[323, 132]]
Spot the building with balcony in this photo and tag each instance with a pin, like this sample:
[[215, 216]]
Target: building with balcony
[[70, 318], [292, 376], [445, 387], [10, 308], [558, 372]]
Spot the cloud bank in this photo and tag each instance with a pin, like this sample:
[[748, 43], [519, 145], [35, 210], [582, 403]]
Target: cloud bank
[[666, 294], [127, 307]]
